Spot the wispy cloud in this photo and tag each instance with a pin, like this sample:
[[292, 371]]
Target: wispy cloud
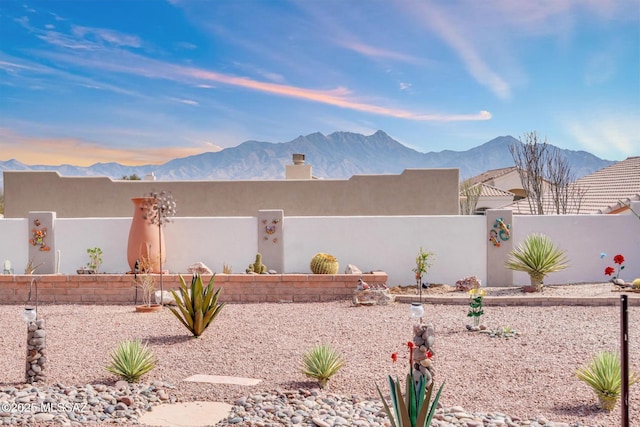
[[102, 35], [610, 136], [376, 52], [80, 152], [339, 97], [446, 29]]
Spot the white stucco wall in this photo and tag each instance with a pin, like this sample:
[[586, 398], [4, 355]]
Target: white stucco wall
[[388, 243]]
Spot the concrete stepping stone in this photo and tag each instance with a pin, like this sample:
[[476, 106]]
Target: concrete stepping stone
[[220, 379], [186, 414]]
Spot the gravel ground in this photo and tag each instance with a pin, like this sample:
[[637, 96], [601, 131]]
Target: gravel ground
[[526, 376]]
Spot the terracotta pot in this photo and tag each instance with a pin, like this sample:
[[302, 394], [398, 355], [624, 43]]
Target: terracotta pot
[[148, 308], [144, 238]]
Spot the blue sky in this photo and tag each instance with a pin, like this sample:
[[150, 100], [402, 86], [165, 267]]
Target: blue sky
[[141, 82]]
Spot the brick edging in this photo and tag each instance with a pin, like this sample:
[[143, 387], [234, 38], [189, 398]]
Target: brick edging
[[237, 288], [633, 300]]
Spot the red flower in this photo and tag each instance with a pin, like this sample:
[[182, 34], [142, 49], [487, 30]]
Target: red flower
[[429, 354], [618, 259], [394, 357], [411, 345], [609, 271]]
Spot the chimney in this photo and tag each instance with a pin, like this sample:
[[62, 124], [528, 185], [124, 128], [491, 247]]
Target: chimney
[[298, 159], [298, 170]]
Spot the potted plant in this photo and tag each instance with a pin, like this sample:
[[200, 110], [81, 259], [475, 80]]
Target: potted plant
[[147, 283], [537, 256], [95, 260]]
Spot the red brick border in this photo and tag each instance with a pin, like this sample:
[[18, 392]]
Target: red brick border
[[237, 288]]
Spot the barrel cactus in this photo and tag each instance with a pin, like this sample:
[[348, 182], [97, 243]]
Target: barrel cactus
[[323, 263]]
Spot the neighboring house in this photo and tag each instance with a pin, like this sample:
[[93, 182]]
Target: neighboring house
[[606, 191], [493, 189], [506, 179], [489, 197]]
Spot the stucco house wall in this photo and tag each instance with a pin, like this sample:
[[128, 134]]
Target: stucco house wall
[[413, 192]]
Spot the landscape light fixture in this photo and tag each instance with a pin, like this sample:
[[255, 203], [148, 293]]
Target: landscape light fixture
[[30, 313], [416, 310]]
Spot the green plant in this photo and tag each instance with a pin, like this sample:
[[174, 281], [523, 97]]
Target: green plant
[[423, 263], [537, 256], [475, 305], [322, 263], [131, 360], [321, 363], [95, 259], [257, 267], [197, 306], [416, 408], [603, 375], [636, 283]]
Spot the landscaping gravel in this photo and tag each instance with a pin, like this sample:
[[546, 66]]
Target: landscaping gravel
[[528, 377]]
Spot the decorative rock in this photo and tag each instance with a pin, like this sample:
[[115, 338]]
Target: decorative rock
[[199, 268], [468, 283], [126, 400], [372, 297], [121, 385], [352, 269]]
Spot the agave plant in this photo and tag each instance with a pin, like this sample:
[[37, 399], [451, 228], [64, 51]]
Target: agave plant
[[603, 375], [197, 305], [321, 363], [417, 410], [537, 256], [131, 360]]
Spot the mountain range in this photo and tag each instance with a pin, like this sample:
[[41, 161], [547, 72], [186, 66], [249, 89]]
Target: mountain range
[[338, 155]]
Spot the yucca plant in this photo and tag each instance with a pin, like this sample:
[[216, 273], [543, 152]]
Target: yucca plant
[[321, 363], [603, 375], [537, 256], [131, 360], [197, 305]]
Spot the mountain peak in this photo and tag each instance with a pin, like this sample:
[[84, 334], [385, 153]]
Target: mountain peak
[[338, 155]]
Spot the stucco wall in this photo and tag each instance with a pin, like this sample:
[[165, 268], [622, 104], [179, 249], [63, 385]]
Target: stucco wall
[[388, 243], [413, 192]]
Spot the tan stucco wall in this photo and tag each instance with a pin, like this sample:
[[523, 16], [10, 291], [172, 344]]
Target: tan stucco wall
[[413, 192]]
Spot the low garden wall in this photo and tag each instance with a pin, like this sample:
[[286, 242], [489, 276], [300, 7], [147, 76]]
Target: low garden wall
[[238, 288]]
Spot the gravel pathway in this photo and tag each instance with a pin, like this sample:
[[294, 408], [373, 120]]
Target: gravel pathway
[[529, 377]]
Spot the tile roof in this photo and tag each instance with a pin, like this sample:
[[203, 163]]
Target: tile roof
[[491, 191], [604, 189], [491, 174]]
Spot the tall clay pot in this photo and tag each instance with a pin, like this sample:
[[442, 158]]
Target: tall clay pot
[[144, 238]]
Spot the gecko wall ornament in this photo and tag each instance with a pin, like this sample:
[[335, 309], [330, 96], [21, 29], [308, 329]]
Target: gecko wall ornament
[[500, 232]]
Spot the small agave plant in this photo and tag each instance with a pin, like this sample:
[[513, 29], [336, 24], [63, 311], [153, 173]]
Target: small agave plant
[[603, 375], [321, 363]]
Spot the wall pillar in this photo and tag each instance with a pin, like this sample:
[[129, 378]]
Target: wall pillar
[[499, 244], [271, 238], [42, 242]]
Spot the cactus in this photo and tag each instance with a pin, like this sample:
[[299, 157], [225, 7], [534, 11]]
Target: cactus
[[257, 267], [323, 263]]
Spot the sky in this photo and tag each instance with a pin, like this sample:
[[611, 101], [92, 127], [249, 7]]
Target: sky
[[145, 81]]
